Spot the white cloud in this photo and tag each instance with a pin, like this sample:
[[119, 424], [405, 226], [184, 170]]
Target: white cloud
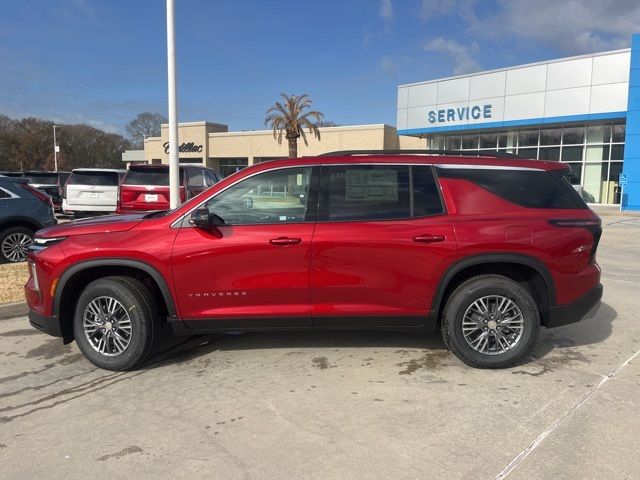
[[462, 55], [573, 26], [387, 64], [385, 12], [433, 9]]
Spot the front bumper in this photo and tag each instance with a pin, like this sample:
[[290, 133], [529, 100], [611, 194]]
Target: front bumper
[[585, 307], [49, 325]]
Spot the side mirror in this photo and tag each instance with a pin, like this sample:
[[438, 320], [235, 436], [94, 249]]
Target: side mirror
[[201, 218]]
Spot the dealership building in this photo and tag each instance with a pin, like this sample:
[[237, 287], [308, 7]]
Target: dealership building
[[584, 111]]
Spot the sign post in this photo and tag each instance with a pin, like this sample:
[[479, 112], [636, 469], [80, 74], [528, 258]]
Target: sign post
[[174, 177], [622, 183]]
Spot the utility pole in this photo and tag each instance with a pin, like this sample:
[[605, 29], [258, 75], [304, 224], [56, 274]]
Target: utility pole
[[174, 178], [55, 149]]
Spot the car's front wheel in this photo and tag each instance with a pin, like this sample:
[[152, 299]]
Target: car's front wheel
[[14, 244], [116, 323], [490, 321]]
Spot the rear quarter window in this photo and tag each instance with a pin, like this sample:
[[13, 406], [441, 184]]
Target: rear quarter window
[[100, 179], [526, 188]]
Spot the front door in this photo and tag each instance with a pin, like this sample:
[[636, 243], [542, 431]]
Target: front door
[[253, 271], [381, 244]]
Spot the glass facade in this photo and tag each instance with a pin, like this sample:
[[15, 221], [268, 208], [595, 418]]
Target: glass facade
[[227, 166], [594, 152]]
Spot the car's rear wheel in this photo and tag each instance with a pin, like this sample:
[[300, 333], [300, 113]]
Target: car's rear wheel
[[116, 323], [14, 244], [490, 321]]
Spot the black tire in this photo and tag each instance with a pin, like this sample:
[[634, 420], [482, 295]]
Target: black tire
[[474, 289], [138, 302], [5, 234]]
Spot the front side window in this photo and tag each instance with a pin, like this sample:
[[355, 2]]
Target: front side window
[[277, 196], [378, 192]]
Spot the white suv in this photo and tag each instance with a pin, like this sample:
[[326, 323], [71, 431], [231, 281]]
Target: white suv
[[92, 190]]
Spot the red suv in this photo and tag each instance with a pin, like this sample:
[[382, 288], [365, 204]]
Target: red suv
[[146, 187], [487, 248]]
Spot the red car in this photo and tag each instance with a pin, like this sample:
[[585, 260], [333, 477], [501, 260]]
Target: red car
[[487, 248], [145, 188]]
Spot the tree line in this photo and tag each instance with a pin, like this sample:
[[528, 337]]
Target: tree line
[[27, 144]]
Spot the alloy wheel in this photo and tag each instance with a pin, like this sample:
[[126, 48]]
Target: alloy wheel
[[15, 246], [492, 325], [107, 326]]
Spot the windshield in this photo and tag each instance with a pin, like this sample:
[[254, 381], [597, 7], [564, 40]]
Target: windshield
[[101, 179], [147, 176]]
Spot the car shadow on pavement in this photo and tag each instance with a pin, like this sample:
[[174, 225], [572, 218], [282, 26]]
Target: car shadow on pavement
[[586, 332], [562, 340], [183, 350]]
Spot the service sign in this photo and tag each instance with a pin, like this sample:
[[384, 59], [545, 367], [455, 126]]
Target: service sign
[[446, 115]]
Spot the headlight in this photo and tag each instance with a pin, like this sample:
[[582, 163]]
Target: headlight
[[40, 244]]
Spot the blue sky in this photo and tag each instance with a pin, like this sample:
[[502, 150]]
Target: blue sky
[[103, 61]]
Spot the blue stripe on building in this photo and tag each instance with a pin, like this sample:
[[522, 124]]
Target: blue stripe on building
[[631, 165]]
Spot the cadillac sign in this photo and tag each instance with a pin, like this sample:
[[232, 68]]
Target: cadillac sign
[[185, 148]]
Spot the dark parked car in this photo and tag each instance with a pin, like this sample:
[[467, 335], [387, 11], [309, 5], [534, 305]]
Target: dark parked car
[[146, 187], [49, 183], [23, 210], [486, 248]]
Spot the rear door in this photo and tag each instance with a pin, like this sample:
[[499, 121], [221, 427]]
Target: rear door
[[89, 189], [380, 246]]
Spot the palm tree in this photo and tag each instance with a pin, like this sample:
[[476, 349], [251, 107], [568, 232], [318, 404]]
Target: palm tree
[[290, 119]]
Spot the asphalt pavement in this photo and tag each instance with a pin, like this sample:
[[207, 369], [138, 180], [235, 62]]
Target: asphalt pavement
[[338, 405]]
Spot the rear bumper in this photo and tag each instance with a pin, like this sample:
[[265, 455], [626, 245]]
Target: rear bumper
[[70, 208], [585, 307], [49, 325]]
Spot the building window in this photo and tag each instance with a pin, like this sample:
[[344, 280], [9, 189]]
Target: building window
[[594, 152], [227, 166]]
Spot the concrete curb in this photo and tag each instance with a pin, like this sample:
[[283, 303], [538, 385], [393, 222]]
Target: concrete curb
[[11, 310]]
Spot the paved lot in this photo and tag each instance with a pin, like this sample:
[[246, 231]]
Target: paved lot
[[336, 405]]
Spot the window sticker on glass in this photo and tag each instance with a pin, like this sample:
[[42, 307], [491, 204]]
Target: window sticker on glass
[[372, 185]]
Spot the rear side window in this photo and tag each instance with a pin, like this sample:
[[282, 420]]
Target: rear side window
[[147, 176], [527, 188], [195, 178], [378, 192], [100, 179]]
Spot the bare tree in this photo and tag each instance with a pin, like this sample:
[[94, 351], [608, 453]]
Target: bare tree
[[145, 124]]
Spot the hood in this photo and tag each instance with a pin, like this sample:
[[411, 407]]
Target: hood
[[106, 224]]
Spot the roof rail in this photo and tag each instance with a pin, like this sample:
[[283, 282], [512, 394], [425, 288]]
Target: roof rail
[[459, 153]]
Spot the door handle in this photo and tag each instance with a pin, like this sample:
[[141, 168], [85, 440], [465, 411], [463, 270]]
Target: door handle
[[284, 241], [427, 238]]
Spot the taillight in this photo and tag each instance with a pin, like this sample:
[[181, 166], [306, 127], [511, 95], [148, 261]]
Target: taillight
[[594, 225], [37, 193]]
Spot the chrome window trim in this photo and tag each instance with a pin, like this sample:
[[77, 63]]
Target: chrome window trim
[[10, 193], [178, 222]]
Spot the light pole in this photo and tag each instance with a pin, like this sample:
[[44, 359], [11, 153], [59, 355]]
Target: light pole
[[174, 180], [55, 149]]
